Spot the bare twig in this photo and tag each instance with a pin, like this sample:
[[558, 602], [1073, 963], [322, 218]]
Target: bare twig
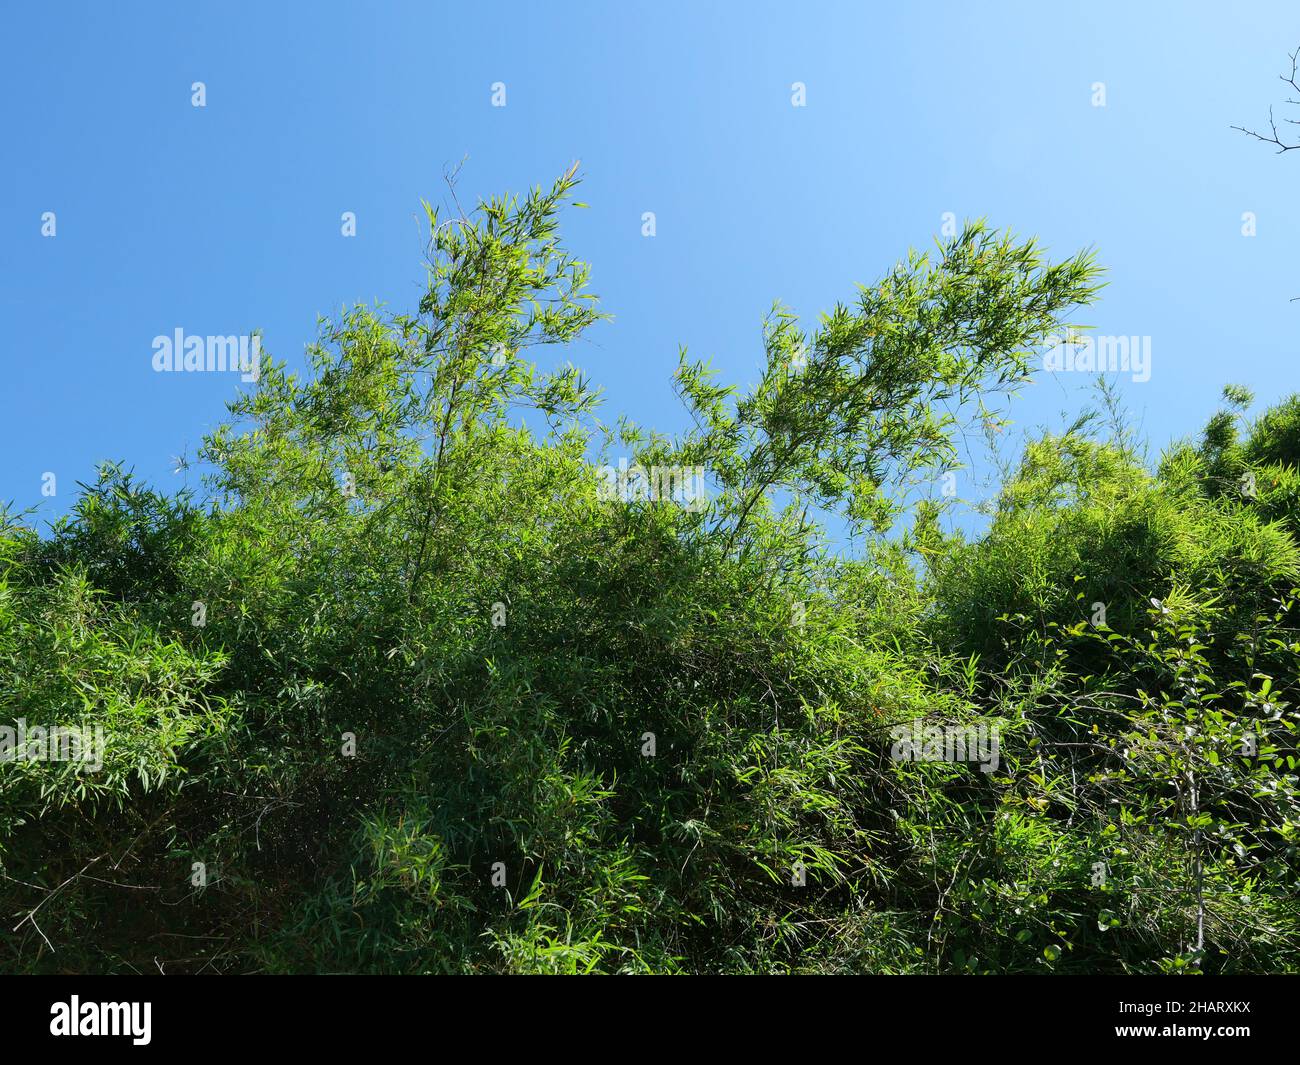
[[1274, 137]]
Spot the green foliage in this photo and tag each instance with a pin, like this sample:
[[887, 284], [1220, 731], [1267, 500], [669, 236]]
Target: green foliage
[[407, 693]]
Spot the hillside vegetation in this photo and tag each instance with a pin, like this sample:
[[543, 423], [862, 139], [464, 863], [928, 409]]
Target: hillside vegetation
[[403, 691]]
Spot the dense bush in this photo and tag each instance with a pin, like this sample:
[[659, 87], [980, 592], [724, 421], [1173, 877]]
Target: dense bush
[[405, 693]]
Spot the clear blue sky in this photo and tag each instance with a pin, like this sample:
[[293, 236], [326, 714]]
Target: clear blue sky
[[225, 219]]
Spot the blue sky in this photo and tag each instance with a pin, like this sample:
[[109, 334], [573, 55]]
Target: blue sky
[[226, 218]]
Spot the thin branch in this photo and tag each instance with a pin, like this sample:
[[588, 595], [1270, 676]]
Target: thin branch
[[1274, 138]]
